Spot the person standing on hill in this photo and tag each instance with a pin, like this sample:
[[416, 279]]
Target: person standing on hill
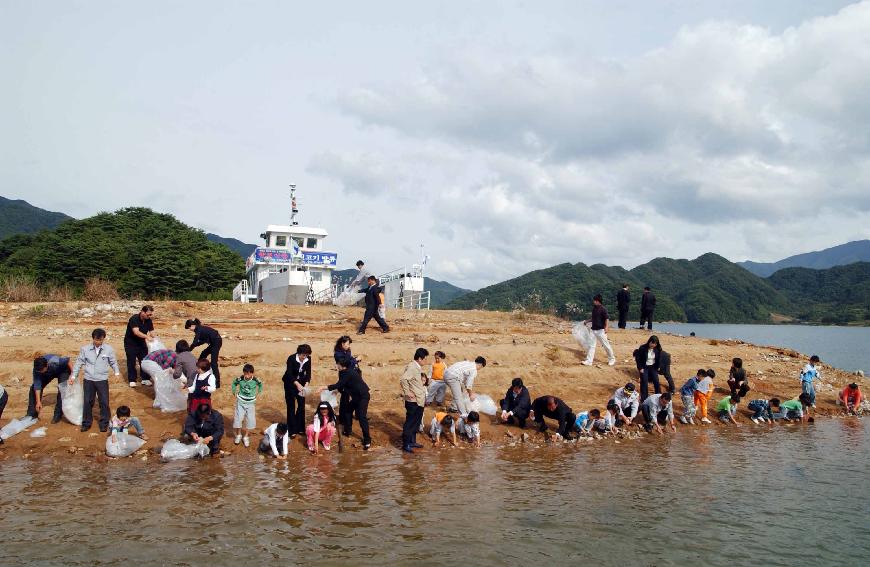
[[374, 301], [623, 300], [647, 307], [140, 330], [599, 321], [203, 335]]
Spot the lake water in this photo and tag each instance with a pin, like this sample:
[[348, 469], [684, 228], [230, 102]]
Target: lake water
[[842, 347], [790, 495]]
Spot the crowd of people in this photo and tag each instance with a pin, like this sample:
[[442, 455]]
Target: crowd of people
[[422, 383]]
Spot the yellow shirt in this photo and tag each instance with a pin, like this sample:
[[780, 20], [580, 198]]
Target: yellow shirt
[[438, 370]]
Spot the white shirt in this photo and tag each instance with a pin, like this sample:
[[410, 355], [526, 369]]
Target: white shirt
[[705, 385], [650, 357], [271, 433], [464, 372], [316, 424], [210, 387]]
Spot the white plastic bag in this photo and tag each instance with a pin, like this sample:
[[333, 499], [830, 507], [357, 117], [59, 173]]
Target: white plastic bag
[[382, 311], [330, 397], [73, 400], [167, 391], [175, 450], [40, 432], [348, 297], [583, 333], [483, 404], [16, 426], [155, 344], [125, 446]]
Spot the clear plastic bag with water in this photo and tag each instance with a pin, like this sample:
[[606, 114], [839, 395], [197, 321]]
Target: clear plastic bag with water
[[330, 397], [348, 297], [125, 445], [483, 404], [39, 432], [168, 395], [16, 426], [583, 333], [155, 344], [175, 450], [73, 400]]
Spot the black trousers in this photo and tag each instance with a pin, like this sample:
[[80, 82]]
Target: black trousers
[[212, 352], [134, 353], [741, 390], [661, 417], [649, 374], [58, 405], [413, 419], [345, 414], [646, 316], [295, 410], [3, 399], [361, 408], [623, 315], [95, 389], [369, 314]]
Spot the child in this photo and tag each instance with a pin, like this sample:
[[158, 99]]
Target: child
[[794, 409], [762, 408], [588, 421], [610, 417], [246, 389], [437, 387], [687, 394], [703, 391], [808, 375], [122, 422], [850, 397], [442, 422], [469, 427], [203, 386], [269, 443], [322, 428], [727, 408]]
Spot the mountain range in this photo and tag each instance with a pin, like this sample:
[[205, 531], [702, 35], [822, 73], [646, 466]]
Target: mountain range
[[851, 252]]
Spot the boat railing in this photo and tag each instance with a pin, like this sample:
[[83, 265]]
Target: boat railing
[[413, 300]]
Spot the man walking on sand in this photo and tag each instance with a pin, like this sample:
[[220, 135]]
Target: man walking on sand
[[374, 305], [599, 322], [623, 300]]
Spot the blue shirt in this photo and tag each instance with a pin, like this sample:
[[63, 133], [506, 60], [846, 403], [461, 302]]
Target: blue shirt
[[689, 387], [809, 373], [58, 366]]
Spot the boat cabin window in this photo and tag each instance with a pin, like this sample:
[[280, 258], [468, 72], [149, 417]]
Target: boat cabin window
[[298, 241], [316, 276], [311, 243], [281, 241]]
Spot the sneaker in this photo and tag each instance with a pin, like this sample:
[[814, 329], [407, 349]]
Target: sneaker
[[132, 384], [611, 362], [247, 441], [586, 363], [238, 439], [146, 382], [691, 421], [366, 446], [683, 420], [754, 420], [326, 446], [705, 420]]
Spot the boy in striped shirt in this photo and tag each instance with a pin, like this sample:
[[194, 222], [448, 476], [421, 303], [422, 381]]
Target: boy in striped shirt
[[246, 389]]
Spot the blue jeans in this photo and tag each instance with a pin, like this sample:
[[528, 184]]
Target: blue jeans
[[135, 424], [759, 409], [810, 390]]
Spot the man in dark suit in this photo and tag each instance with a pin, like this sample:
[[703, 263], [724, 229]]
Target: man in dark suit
[[665, 370], [554, 408], [623, 300], [647, 307], [516, 405], [374, 299]]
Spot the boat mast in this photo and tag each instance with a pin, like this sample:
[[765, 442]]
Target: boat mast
[[294, 210]]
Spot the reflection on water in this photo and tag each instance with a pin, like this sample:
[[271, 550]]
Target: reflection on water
[[786, 496]]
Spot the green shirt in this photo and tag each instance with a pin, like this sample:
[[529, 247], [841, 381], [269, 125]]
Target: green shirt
[[792, 405], [247, 390], [724, 405]]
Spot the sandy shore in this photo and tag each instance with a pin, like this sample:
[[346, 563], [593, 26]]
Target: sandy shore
[[538, 348]]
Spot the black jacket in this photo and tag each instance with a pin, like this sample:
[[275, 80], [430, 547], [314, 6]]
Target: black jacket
[[294, 373], [647, 302], [372, 299], [665, 370], [640, 356], [350, 382], [562, 414], [212, 426], [520, 405], [623, 299], [205, 336]]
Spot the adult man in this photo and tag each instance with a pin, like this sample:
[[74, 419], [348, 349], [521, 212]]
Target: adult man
[[516, 405], [140, 330], [665, 370], [359, 281], [45, 369], [206, 426], [623, 300], [414, 394], [554, 408], [459, 377], [96, 359], [599, 321], [658, 410], [627, 402], [647, 307], [374, 299]]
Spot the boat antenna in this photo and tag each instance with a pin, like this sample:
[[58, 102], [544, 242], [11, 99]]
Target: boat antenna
[[294, 209]]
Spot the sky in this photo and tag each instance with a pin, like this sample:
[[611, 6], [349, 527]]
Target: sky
[[504, 136]]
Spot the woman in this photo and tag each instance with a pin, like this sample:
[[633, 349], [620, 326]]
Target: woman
[[322, 429], [648, 358], [297, 375], [344, 357], [737, 382], [185, 363], [203, 335]]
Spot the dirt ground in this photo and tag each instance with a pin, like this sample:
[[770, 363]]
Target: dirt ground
[[538, 348]]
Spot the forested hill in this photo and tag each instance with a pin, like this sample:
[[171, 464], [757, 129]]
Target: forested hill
[[143, 253], [838, 295], [20, 217], [841, 255], [708, 289]]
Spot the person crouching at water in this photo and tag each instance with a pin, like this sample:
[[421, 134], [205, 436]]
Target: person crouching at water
[[627, 402], [202, 388], [460, 377], [850, 398], [45, 369], [658, 410], [586, 421], [794, 409], [727, 409], [554, 408], [516, 405], [354, 388], [703, 391], [763, 409], [469, 427], [204, 335], [275, 441], [737, 382], [185, 363], [441, 423], [687, 394], [296, 377], [123, 421], [322, 429], [414, 395], [205, 426]]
